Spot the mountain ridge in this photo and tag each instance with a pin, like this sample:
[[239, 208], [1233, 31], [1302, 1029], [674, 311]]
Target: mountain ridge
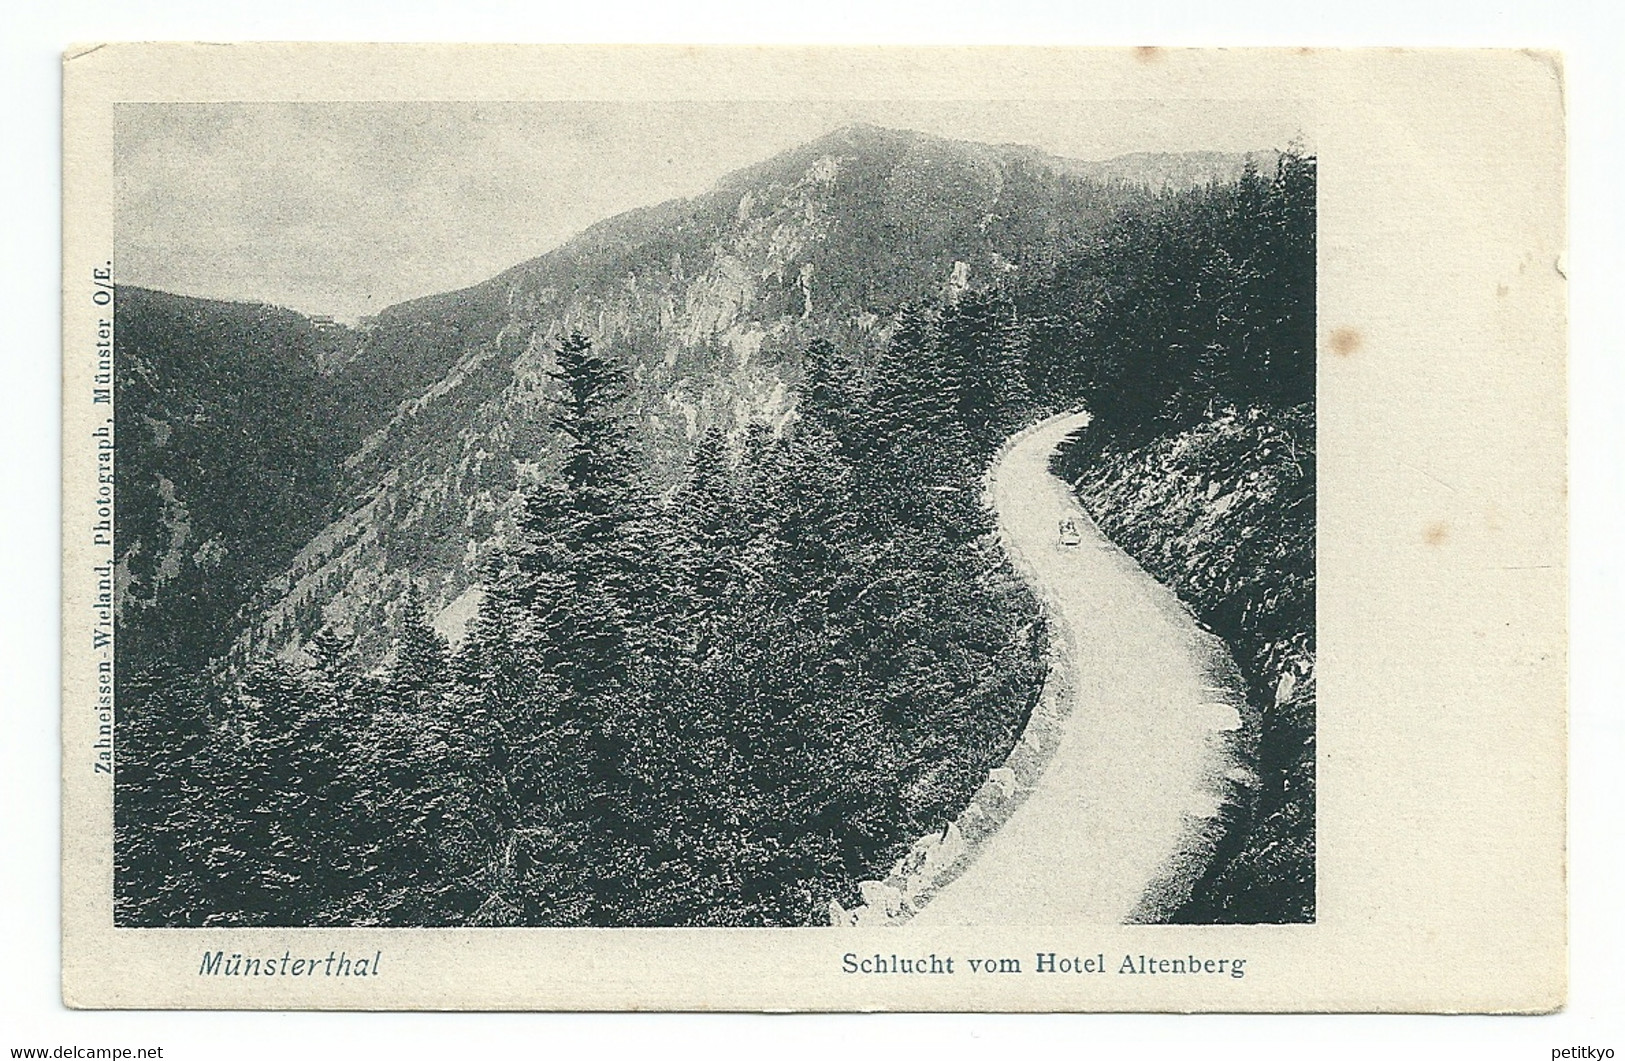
[[709, 299]]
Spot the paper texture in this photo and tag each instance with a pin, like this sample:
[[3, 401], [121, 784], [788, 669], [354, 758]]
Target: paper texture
[[1430, 860]]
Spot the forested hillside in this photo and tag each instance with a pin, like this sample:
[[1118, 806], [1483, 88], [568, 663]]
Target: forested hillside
[[722, 708], [710, 304], [231, 442], [235, 425], [713, 473]]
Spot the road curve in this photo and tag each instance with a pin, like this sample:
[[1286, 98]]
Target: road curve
[[1110, 809]]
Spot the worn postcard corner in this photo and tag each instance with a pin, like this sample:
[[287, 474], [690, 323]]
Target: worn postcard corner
[[813, 529]]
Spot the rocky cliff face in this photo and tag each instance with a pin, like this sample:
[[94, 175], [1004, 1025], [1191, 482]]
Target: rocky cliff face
[[710, 301]]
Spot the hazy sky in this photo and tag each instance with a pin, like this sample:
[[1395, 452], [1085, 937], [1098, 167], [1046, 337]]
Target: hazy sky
[[346, 208]]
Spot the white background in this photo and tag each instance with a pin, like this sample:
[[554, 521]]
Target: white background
[[31, 1014]]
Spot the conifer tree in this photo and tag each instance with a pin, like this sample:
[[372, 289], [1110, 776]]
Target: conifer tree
[[421, 653], [567, 728], [983, 352], [914, 387], [408, 778]]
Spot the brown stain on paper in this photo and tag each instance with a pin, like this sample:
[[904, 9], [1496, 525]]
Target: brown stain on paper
[[1437, 533], [1345, 341], [1148, 54]]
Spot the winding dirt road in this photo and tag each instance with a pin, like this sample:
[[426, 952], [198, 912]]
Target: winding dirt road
[[1152, 735]]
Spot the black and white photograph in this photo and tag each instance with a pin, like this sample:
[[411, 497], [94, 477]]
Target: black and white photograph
[[715, 514], [813, 529]]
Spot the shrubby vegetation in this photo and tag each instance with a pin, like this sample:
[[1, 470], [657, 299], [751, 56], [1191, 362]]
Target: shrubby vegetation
[[728, 700]]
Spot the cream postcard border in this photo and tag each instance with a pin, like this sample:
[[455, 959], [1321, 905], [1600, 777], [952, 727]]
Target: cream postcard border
[[1442, 549]]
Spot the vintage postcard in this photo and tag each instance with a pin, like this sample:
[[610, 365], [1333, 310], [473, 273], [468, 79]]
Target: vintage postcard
[[813, 529]]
